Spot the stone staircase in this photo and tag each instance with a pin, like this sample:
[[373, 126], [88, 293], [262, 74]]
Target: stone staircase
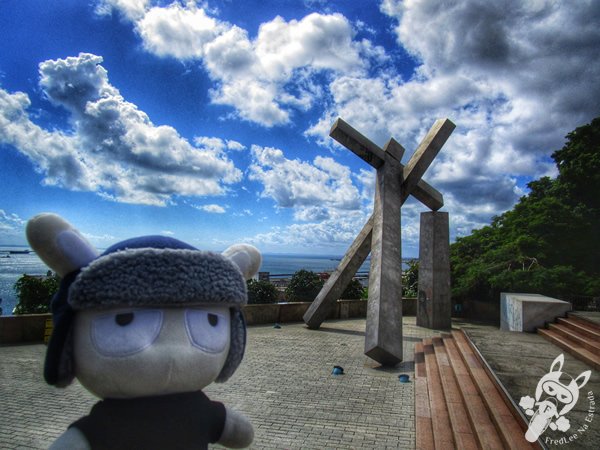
[[576, 335], [458, 401]]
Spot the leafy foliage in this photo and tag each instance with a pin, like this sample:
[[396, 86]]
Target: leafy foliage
[[34, 293], [549, 243], [354, 291], [261, 292], [410, 279], [304, 286]]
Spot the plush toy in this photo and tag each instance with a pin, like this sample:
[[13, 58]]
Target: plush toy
[[145, 326]]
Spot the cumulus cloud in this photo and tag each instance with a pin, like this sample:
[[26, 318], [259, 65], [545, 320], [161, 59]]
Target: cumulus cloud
[[264, 78], [114, 148], [213, 209], [334, 233], [514, 76], [131, 9], [11, 224], [330, 203], [55, 153], [177, 30], [295, 183], [218, 144]]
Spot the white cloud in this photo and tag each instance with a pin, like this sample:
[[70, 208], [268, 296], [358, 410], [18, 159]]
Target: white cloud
[[178, 30], [213, 209], [243, 213], [218, 144], [514, 76], [331, 208], [335, 233], [132, 9], [264, 78], [294, 183], [11, 224], [54, 153], [114, 149]]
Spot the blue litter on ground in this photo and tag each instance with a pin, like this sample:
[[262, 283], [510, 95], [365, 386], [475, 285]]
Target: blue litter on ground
[[337, 370], [403, 378]]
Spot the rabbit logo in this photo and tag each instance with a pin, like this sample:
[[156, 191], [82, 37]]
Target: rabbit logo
[[556, 394]]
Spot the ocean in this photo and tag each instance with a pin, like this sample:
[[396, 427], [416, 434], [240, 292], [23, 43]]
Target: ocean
[[15, 265]]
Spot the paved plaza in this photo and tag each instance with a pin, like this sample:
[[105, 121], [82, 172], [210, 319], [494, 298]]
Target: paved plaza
[[284, 386]]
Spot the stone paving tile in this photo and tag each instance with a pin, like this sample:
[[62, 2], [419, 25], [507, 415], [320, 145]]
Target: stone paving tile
[[284, 386]]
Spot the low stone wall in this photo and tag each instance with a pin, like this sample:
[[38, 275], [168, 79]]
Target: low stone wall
[[22, 329], [30, 327]]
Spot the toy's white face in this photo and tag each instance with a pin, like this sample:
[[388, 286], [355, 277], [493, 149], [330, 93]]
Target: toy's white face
[[135, 352]]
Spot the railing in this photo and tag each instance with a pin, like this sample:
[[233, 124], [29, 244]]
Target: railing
[[583, 303]]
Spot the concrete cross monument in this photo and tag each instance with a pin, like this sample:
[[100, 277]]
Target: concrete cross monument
[[381, 237]]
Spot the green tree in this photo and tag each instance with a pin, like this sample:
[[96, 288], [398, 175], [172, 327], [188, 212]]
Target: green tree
[[34, 293], [261, 292], [354, 291], [549, 242], [304, 286], [410, 279]]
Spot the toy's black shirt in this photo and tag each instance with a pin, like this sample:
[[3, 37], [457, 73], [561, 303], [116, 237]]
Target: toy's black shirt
[[178, 421]]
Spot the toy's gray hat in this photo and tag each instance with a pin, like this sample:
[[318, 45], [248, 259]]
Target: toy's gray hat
[[146, 271]]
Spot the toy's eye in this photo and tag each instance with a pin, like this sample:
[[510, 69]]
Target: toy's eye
[[208, 330], [126, 333], [124, 319], [564, 398]]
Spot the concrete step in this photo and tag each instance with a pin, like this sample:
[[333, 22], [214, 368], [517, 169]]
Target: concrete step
[[590, 358], [578, 338], [503, 418], [484, 430], [589, 331], [423, 425]]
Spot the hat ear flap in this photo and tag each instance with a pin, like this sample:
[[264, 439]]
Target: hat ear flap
[[246, 257], [58, 244], [237, 346]]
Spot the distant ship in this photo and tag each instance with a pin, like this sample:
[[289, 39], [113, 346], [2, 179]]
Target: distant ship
[[19, 252]]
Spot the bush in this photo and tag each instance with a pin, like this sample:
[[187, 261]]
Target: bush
[[354, 291], [410, 279], [34, 293], [261, 292], [304, 286]]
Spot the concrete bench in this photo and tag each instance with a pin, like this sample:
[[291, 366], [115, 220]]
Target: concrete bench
[[527, 312]]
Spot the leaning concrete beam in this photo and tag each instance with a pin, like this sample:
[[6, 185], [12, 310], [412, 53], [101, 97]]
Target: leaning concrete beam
[[383, 340], [322, 306], [425, 153], [359, 144], [373, 154]]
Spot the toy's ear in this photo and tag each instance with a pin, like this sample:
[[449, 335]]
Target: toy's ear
[[246, 257], [583, 378], [58, 244], [560, 360]]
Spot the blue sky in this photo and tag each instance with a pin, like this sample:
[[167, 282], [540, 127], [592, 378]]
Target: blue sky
[[209, 121]]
